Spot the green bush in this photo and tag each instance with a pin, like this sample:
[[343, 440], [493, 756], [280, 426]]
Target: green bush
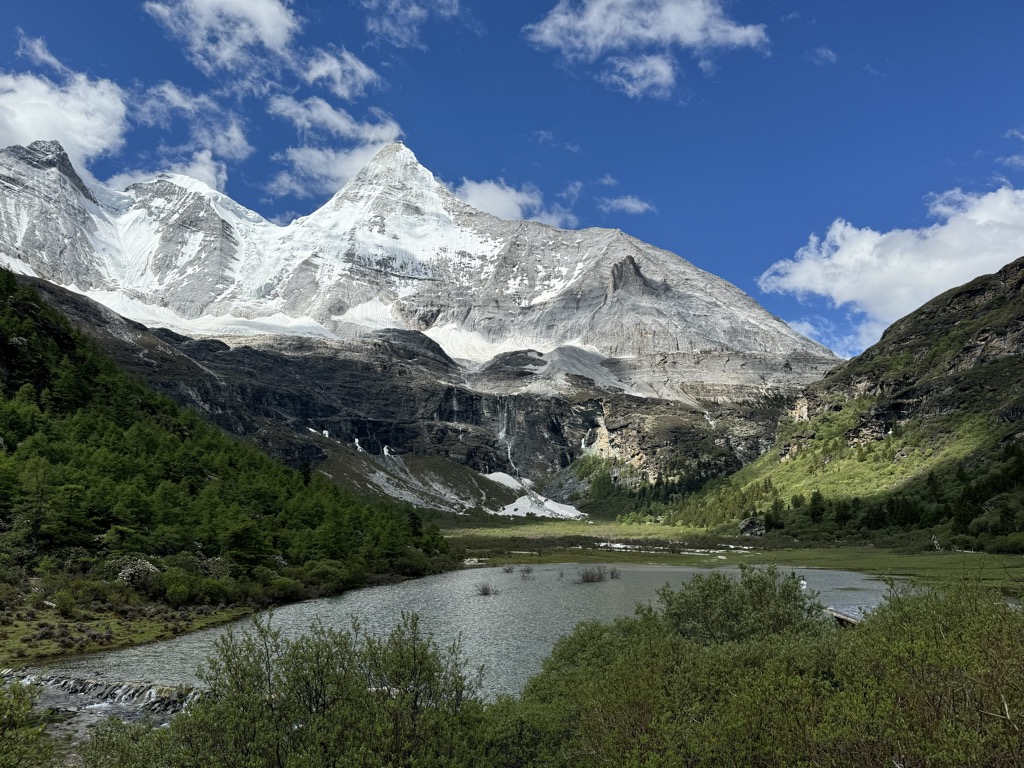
[[9, 595], [330, 698], [65, 603], [717, 608], [930, 678], [22, 742], [282, 590]]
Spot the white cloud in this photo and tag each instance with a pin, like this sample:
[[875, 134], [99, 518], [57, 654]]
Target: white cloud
[[845, 341], [160, 103], [200, 165], [1015, 161], [34, 49], [215, 135], [547, 137], [637, 36], [315, 116], [346, 75], [572, 192], [513, 203], [320, 170], [805, 326], [228, 35], [315, 169], [212, 127], [881, 276], [608, 180], [824, 56], [587, 29], [642, 76], [398, 21], [556, 216], [499, 198], [88, 117], [625, 204]]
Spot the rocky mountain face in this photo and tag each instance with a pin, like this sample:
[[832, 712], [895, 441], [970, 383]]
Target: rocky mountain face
[[962, 351], [921, 435], [398, 320]]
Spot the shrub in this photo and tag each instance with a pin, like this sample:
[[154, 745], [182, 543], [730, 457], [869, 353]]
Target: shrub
[[716, 607], [65, 604], [283, 589], [592, 574], [9, 596], [327, 698]]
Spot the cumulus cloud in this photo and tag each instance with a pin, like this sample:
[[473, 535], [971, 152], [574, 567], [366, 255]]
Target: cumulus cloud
[[588, 29], [87, 116], [608, 180], [633, 39], [215, 135], [399, 21], [624, 204], [211, 126], [315, 116], [319, 170], [346, 76], [325, 169], [513, 203], [200, 165], [881, 276], [228, 35]]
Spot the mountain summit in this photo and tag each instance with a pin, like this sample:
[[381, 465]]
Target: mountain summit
[[396, 249]]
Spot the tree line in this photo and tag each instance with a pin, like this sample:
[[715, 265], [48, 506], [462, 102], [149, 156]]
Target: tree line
[[110, 493]]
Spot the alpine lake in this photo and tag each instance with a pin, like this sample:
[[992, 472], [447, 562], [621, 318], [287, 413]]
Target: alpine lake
[[506, 620]]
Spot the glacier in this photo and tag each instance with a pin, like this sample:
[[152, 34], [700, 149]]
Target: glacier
[[394, 248]]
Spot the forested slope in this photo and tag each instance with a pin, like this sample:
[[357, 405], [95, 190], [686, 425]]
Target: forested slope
[[112, 495]]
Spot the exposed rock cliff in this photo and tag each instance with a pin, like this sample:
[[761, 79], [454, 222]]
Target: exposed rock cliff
[[395, 249]]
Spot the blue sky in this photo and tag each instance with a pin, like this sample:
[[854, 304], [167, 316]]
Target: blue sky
[[840, 162]]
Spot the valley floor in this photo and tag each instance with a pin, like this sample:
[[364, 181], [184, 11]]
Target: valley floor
[[560, 541]]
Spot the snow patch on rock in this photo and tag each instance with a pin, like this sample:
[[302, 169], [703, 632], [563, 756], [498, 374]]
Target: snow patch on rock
[[540, 506]]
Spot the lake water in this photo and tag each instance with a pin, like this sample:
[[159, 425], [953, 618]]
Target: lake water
[[509, 633]]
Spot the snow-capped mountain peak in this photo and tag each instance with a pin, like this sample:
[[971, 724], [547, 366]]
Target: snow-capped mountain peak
[[395, 249]]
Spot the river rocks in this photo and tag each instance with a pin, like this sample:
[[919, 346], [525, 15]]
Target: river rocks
[[752, 526], [77, 704]]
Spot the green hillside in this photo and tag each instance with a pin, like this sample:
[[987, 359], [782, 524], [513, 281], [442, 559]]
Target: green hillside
[[919, 436], [112, 498]]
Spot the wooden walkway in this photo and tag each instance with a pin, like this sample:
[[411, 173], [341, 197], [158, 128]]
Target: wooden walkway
[[843, 619]]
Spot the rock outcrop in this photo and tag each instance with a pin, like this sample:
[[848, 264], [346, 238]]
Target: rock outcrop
[[398, 321]]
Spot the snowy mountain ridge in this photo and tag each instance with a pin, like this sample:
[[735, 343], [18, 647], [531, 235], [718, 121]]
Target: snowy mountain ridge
[[396, 249]]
